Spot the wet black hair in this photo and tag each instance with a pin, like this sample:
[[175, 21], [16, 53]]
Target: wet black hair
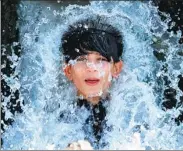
[[92, 34]]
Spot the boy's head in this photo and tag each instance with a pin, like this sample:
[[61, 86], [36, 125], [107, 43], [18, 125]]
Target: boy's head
[[92, 50]]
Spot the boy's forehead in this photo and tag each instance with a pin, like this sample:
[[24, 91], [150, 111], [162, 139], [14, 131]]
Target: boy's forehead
[[93, 52]]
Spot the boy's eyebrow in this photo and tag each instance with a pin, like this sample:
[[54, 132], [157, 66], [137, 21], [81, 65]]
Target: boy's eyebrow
[[103, 57], [93, 52], [82, 56]]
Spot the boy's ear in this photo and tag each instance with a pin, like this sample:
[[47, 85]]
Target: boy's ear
[[117, 69], [67, 71]]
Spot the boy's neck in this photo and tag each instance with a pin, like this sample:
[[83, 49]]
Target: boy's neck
[[94, 100]]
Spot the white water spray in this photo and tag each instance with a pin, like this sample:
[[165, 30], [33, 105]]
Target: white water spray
[[47, 93]]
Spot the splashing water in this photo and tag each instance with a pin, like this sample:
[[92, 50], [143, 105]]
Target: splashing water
[[136, 96]]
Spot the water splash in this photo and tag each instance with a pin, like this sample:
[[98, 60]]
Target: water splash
[[51, 120]]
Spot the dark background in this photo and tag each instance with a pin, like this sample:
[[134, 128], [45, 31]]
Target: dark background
[[10, 34]]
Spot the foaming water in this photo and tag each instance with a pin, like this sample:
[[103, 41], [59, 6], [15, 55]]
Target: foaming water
[[51, 120]]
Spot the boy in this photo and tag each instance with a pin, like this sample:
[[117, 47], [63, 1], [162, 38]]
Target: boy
[[92, 49]]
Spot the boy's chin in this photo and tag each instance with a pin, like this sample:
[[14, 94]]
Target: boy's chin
[[93, 97], [91, 94], [94, 94]]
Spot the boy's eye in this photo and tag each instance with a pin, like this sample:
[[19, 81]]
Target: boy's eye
[[81, 59], [102, 59]]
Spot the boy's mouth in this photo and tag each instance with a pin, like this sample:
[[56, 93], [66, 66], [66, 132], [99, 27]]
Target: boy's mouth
[[92, 81]]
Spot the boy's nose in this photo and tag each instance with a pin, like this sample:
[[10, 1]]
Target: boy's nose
[[91, 66]]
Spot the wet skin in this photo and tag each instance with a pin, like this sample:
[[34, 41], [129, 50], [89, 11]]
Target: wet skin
[[92, 74]]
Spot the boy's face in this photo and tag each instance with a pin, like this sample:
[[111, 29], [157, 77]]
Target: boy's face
[[92, 74]]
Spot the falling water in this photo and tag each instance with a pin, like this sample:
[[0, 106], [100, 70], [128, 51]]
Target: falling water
[[136, 96]]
